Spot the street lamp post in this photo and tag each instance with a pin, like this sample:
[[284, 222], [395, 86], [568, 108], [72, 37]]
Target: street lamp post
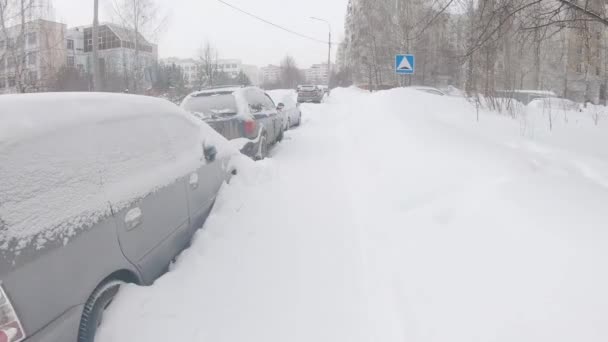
[[95, 46], [328, 53]]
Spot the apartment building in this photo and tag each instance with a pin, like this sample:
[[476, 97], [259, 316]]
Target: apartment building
[[317, 74], [31, 56], [271, 74]]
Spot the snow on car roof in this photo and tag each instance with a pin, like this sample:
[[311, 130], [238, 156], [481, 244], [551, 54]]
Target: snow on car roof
[[26, 115], [64, 157], [228, 89]]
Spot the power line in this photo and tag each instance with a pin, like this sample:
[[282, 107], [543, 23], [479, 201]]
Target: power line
[[273, 24]]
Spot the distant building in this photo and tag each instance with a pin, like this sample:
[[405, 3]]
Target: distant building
[[76, 57], [190, 67], [232, 67], [271, 74], [252, 72], [316, 74], [118, 48], [30, 61]]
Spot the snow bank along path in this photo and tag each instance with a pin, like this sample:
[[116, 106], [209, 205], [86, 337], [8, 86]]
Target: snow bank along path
[[395, 217]]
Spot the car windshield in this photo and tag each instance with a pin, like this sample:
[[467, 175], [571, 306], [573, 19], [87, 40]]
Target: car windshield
[[212, 105]]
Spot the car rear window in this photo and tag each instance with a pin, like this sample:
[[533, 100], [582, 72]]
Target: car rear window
[[308, 88], [212, 105]]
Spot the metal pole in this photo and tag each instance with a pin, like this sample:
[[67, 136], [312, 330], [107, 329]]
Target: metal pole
[[329, 64], [328, 53], [95, 46]]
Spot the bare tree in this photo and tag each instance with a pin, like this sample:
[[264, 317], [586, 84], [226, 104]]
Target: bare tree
[[207, 68], [26, 44], [291, 76], [143, 18]]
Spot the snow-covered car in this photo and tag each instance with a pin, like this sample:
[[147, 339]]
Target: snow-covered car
[[288, 108], [96, 190], [429, 90], [554, 103], [310, 93], [525, 96], [245, 115]]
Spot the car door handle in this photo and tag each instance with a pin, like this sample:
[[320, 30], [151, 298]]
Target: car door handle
[[133, 218], [193, 180]]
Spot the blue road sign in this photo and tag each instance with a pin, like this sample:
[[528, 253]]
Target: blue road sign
[[405, 64]]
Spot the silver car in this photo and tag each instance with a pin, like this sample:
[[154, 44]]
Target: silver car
[[96, 190], [239, 113]]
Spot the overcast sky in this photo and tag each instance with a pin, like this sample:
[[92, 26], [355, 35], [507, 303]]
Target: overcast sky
[[191, 22]]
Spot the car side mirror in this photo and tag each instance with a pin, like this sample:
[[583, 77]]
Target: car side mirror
[[210, 153], [280, 106]]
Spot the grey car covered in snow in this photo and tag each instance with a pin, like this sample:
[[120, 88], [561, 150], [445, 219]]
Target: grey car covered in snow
[[96, 190], [246, 115], [310, 93]]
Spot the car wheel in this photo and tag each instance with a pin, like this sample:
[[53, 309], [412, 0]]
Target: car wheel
[[92, 315], [262, 149]]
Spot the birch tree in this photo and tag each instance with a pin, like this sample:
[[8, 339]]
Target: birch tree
[[143, 18]]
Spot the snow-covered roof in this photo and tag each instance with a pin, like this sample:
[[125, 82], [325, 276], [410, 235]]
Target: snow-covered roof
[[227, 89], [26, 115], [126, 34]]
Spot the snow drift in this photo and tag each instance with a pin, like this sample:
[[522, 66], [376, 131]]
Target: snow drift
[[397, 217]]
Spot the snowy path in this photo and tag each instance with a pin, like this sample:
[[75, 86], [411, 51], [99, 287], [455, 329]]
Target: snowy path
[[412, 226]]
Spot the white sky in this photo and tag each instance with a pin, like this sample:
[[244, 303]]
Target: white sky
[[236, 35]]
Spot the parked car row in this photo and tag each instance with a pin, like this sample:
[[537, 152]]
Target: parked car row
[[99, 190]]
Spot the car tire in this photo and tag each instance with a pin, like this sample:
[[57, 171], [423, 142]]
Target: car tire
[[97, 303], [262, 149], [281, 135]]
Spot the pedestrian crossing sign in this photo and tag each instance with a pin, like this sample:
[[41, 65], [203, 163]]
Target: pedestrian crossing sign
[[405, 64]]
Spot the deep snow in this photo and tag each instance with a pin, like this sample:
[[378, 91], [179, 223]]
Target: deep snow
[[396, 217]]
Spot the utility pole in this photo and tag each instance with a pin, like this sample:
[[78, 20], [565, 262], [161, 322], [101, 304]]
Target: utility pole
[[328, 53], [95, 46]]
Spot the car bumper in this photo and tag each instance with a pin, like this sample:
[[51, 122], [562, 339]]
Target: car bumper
[[62, 329], [309, 99]]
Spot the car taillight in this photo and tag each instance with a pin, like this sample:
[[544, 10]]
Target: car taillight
[[10, 326], [250, 128]]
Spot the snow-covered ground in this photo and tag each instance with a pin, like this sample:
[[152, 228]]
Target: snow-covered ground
[[397, 217]]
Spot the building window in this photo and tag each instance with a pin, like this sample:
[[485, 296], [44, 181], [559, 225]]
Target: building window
[[32, 59], [10, 43], [598, 71], [2, 44], [11, 81], [70, 44], [71, 61], [579, 68], [32, 38], [2, 82]]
